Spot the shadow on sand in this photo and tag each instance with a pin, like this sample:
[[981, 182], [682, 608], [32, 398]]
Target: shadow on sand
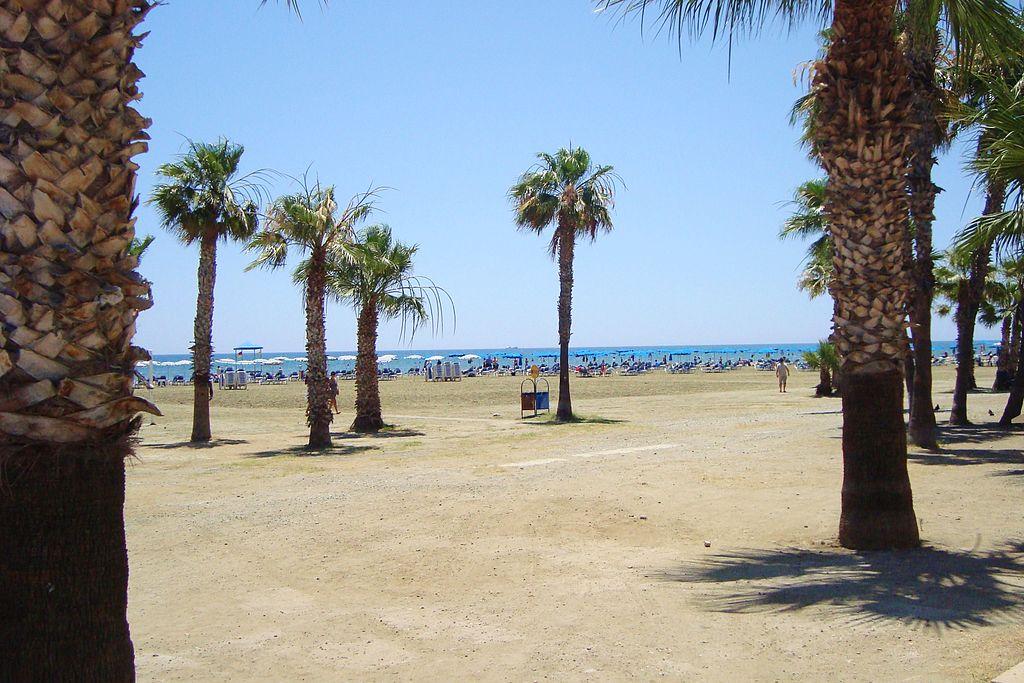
[[930, 587], [551, 421], [212, 443], [304, 452], [386, 433]]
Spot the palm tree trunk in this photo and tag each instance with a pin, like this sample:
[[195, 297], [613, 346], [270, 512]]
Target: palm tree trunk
[[64, 566], [824, 382], [1016, 398], [318, 389], [69, 298], [925, 137], [368, 413], [566, 248], [202, 347], [862, 91], [968, 302], [1009, 353]]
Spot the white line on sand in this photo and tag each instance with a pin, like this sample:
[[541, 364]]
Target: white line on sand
[[593, 454]]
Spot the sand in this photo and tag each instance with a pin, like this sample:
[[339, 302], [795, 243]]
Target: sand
[[686, 531]]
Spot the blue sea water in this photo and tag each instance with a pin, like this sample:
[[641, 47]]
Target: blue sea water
[[404, 360]]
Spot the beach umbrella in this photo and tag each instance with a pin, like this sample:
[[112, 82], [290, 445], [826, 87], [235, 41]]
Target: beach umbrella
[[346, 357], [436, 358], [469, 356], [414, 356], [386, 358]]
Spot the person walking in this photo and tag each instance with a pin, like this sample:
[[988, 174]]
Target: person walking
[[782, 372], [333, 403]]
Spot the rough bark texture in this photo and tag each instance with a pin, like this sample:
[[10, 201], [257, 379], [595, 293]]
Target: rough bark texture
[[69, 298], [968, 302], [368, 413], [824, 387], [318, 389], [202, 345], [64, 566], [925, 138], [566, 248], [1016, 398], [1008, 354], [862, 91]]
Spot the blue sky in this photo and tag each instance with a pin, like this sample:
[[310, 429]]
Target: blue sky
[[447, 102]]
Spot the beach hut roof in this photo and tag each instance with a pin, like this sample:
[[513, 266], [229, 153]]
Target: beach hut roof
[[248, 346]]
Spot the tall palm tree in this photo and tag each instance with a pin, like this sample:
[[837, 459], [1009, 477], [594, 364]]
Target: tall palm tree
[[206, 199], [376, 278], [66, 201], [861, 135], [1001, 307], [310, 222], [567, 192], [1002, 161]]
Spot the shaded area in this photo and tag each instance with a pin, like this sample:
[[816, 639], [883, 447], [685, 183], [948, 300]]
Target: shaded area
[[305, 451], [976, 433], [212, 443], [386, 433], [969, 456], [929, 586], [552, 421]]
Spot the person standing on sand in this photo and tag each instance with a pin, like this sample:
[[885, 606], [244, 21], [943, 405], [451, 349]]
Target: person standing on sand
[[333, 401], [782, 372]]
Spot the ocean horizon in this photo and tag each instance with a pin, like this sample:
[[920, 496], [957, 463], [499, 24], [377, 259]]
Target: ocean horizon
[[406, 359]]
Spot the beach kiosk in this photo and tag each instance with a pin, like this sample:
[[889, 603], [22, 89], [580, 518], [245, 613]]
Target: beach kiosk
[[531, 398], [249, 358]]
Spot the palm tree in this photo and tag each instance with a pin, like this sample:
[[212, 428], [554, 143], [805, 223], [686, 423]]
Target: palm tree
[[206, 199], [861, 134], [825, 360], [66, 198], [1003, 292], [376, 278], [567, 192], [309, 221]]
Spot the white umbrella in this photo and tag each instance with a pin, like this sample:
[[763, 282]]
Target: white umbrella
[[346, 357], [386, 358], [436, 358], [469, 356], [414, 356]]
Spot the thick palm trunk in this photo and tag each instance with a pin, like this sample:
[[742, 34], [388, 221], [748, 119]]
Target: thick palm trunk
[[925, 137], [318, 389], [1016, 398], [862, 91], [368, 413], [69, 298], [968, 302], [1007, 363], [202, 346], [64, 566], [566, 248]]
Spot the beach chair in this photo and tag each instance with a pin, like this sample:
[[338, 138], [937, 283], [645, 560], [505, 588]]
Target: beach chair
[[456, 373]]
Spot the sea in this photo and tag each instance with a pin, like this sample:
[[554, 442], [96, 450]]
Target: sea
[[406, 359]]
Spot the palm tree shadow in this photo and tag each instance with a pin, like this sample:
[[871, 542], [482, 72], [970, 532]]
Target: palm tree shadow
[[305, 451], [976, 433], [386, 433], [969, 456], [212, 443], [930, 587]]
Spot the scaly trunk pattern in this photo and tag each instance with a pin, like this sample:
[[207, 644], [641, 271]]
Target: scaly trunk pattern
[[968, 302], [69, 298], [202, 346], [1016, 398], [862, 90], [368, 413], [925, 137], [1009, 353], [566, 247], [824, 387], [318, 389]]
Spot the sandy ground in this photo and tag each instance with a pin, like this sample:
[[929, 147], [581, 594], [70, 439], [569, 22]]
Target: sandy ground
[[468, 545]]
